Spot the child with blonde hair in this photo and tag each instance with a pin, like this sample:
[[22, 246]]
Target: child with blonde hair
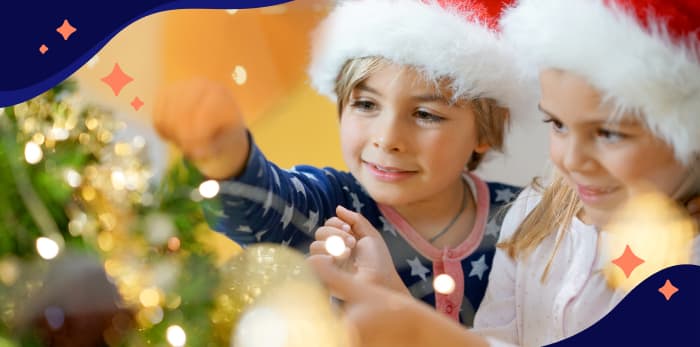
[[424, 90], [621, 124]]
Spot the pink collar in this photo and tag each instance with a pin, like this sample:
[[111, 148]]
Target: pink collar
[[447, 261], [462, 250]]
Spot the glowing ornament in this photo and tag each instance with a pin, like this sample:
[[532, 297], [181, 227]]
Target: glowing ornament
[[176, 336], [33, 153], [444, 284], [59, 134], [73, 178], [149, 297], [209, 189], [47, 248], [239, 75], [649, 233], [335, 245]]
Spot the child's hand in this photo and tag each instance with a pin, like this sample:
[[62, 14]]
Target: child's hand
[[379, 317], [334, 227], [376, 316], [202, 119], [370, 259]]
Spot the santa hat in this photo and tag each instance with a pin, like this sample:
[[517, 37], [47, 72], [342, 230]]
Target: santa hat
[[642, 55], [454, 39]]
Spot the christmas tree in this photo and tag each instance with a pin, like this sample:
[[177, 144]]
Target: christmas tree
[[92, 251]]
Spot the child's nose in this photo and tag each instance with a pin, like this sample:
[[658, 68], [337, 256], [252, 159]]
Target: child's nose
[[388, 136], [576, 157]]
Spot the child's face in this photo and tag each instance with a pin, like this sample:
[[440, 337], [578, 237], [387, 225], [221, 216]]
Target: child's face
[[605, 161], [403, 141]]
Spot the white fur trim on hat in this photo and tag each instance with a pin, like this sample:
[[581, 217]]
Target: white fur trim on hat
[[439, 42], [636, 67]]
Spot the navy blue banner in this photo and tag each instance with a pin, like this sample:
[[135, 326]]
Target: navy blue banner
[[664, 310], [44, 42]]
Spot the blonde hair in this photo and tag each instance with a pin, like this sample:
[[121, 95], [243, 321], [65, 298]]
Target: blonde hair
[[557, 208], [558, 205], [492, 120]]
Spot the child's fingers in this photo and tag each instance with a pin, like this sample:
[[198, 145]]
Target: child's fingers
[[358, 223], [340, 283], [318, 248], [321, 248], [325, 232], [338, 223]]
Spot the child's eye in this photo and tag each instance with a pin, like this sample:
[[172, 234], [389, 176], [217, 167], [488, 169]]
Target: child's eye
[[427, 117], [610, 136], [556, 124], [363, 105]]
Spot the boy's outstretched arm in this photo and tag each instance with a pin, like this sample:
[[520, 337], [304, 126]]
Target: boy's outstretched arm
[[258, 201]]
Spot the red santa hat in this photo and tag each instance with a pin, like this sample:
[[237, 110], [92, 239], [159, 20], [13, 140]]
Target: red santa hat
[[454, 39], [643, 55]]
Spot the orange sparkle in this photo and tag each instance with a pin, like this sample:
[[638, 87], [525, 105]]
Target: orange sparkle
[[668, 289], [43, 49], [66, 30], [117, 79], [628, 261], [136, 103]]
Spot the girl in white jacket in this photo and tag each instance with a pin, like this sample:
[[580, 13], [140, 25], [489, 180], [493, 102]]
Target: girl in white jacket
[[620, 83]]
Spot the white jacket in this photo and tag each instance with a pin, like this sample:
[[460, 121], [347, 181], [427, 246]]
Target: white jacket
[[518, 309]]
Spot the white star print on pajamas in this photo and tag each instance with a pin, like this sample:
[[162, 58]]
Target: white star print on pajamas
[[417, 268]]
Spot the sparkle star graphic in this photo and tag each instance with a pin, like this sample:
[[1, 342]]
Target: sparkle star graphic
[[668, 289], [66, 30], [117, 79], [136, 103], [628, 261]]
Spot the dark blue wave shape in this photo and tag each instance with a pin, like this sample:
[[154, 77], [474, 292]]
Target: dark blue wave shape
[[645, 318], [27, 24]]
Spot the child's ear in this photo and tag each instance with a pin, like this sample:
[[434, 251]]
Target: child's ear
[[482, 148]]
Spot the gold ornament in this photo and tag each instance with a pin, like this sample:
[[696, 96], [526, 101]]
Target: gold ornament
[[270, 297]]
